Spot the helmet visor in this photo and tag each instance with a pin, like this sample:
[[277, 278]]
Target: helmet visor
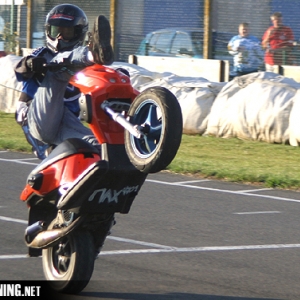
[[67, 33]]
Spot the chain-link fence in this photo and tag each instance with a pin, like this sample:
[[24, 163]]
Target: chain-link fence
[[22, 21]]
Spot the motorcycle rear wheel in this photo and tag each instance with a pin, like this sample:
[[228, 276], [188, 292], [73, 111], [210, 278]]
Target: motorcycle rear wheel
[[158, 114], [69, 264]]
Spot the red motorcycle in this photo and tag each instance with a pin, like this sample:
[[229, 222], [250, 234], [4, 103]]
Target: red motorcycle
[[75, 192]]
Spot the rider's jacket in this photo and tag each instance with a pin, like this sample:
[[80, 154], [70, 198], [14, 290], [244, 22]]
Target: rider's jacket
[[31, 82]]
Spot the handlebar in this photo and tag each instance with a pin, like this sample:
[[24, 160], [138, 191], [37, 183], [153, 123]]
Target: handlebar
[[54, 67]]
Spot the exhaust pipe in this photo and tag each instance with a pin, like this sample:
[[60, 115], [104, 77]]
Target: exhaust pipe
[[46, 238], [32, 230]]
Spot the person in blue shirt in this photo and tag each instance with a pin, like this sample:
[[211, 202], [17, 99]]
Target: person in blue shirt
[[248, 55]]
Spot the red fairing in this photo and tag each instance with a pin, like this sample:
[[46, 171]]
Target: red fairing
[[59, 173], [103, 83]]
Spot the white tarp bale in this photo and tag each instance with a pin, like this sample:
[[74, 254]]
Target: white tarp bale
[[195, 95], [10, 88], [255, 106], [295, 121], [196, 101], [195, 107]]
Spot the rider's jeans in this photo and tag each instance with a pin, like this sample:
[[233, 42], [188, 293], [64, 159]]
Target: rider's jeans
[[48, 119]]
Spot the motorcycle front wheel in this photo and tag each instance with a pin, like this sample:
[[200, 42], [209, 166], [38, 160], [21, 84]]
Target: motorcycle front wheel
[[157, 113], [69, 264]]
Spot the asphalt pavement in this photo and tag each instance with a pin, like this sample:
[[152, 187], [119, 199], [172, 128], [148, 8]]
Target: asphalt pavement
[[184, 238]]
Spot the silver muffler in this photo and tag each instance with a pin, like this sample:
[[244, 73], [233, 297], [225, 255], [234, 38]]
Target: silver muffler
[[37, 237], [32, 230]]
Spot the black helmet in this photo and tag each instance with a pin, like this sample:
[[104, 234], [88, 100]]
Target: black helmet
[[68, 21]]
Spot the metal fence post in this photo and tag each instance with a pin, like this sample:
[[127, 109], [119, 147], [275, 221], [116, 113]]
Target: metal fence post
[[113, 8], [12, 17], [207, 38], [29, 24]]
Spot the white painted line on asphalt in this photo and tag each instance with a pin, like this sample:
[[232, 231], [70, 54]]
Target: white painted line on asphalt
[[255, 190], [181, 250], [191, 181], [18, 161], [139, 242], [13, 256], [13, 220], [24, 159], [3, 151], [202, 249], [224, 191], [257, 212]]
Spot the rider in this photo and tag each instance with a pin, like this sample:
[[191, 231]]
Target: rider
[[48, 107]]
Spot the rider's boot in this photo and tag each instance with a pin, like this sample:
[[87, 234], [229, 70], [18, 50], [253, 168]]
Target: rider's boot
[[99, 42]]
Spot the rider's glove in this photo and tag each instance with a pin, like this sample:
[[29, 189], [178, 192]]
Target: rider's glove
[[36, 64]]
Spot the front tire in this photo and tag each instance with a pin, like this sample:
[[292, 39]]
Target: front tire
[[69, 264], [157, 113]]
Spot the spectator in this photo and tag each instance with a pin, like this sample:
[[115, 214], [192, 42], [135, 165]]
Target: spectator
[[247, 52], [278, 42]]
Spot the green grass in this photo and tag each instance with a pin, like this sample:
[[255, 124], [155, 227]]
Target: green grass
[[271, 165], [11, 134]]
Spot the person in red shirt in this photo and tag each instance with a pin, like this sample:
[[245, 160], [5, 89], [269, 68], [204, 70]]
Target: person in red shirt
[[278, 42]]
